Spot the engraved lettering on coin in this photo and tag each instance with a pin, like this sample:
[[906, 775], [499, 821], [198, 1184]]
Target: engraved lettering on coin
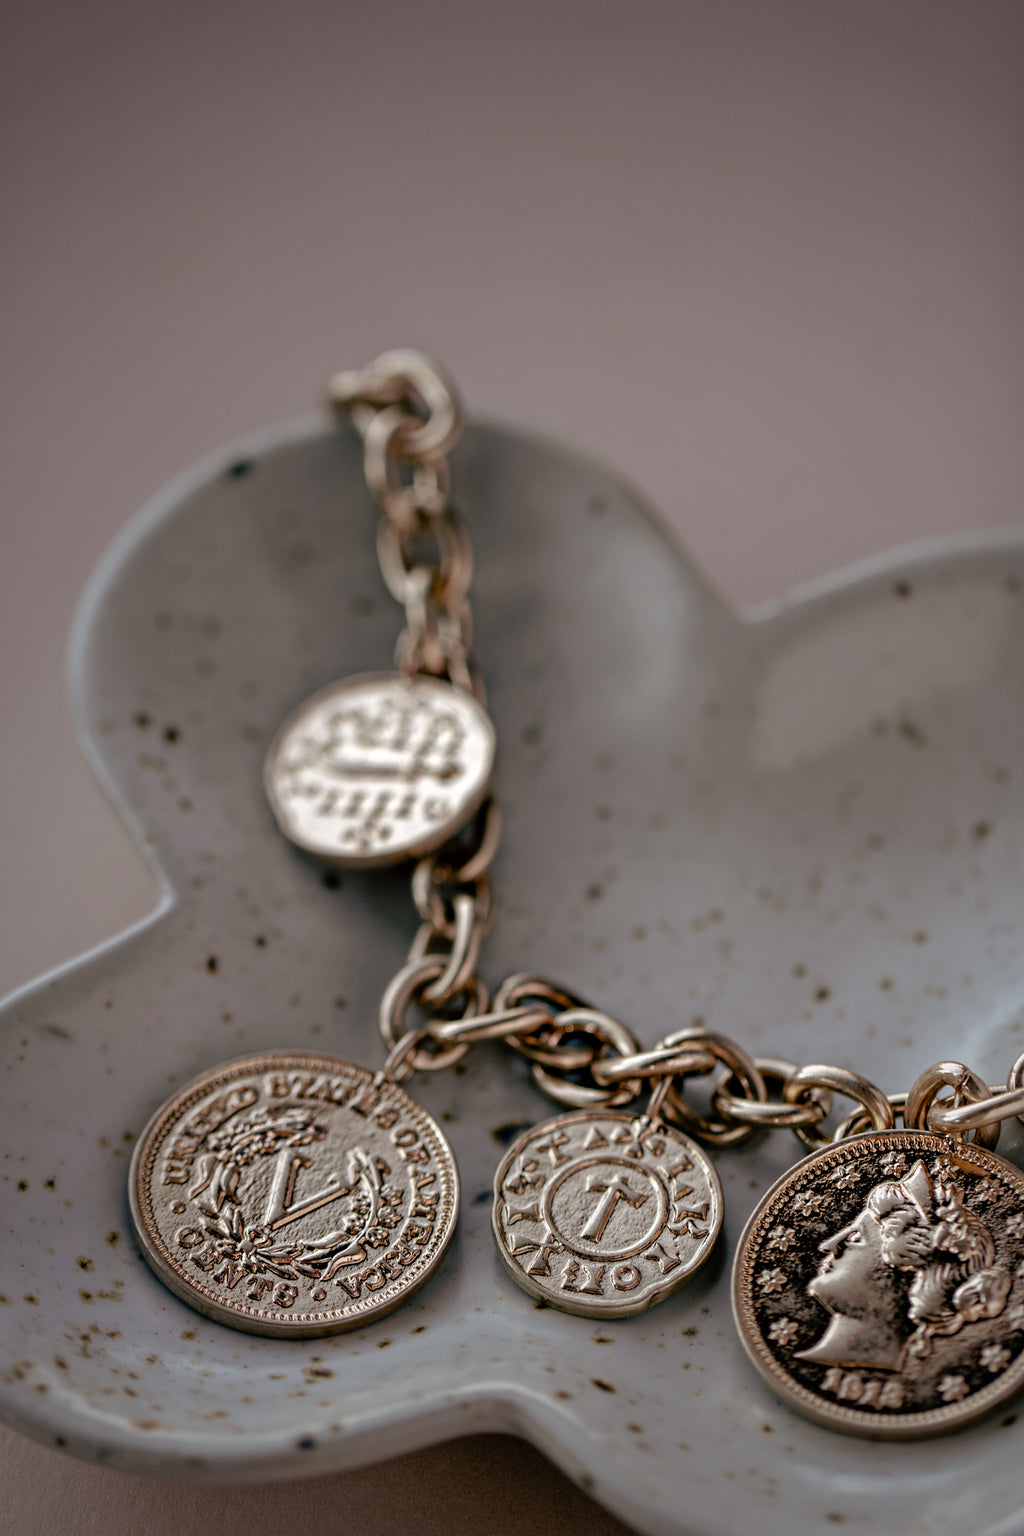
[[376, 769], [603, 1214], [291, 1194], [879, 1285]]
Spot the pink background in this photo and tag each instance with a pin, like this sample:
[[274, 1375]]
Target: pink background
[[765, 259]]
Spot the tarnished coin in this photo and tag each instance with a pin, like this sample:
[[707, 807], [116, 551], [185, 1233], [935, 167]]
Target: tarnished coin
[[603, 1213], [292, 1194], [381, 768], [879, 1286]]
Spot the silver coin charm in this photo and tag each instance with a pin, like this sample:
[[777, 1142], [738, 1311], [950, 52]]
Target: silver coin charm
[[293, 1194], [603, 1213], [879, 1285], [376, 769]]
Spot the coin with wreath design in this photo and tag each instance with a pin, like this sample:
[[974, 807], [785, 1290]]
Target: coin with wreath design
[[879, 1285], [293, 1194]]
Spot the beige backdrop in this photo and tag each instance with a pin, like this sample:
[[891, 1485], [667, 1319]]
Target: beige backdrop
[[764, 258]]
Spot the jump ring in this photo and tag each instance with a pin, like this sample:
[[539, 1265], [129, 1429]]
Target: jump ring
[[965, 1083], [401, 991], [799, 1086], [741, 1070]]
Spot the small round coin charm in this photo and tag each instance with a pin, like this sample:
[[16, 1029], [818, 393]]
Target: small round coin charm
[[293, 1194], [603, 1213], [376, 769], [879, 1285]]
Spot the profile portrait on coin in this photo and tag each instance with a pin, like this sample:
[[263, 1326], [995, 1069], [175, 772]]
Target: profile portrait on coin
[[915, 1264]]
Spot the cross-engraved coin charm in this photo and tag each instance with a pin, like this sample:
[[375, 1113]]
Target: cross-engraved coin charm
[[376, 769], [293, 1194], [879, 1285], [605, 1213]]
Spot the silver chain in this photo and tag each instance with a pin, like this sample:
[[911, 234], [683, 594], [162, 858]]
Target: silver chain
[[409, 417]]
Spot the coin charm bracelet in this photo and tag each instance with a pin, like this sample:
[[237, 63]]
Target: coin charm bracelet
[[878, 1286]]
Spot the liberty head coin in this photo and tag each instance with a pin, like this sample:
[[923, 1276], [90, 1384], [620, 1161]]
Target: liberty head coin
[[879, 1285]]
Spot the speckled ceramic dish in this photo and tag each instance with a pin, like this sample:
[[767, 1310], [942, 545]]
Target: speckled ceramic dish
[[803, 825]]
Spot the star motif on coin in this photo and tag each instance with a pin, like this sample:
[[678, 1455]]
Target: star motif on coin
[[904, 1297], [600, 1214], [781, 1238], [771, 1281]]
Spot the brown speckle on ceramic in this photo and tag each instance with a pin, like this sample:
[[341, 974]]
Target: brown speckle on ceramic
[[848, 814]]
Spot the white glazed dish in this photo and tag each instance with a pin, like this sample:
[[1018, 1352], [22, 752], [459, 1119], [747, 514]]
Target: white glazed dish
[[804, 825]]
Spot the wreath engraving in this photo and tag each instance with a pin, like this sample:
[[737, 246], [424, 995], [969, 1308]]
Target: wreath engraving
[[371, 1207]]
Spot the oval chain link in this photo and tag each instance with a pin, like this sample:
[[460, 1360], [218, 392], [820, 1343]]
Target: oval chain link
[[409, 416], [741, 1071], [800, 1087], [921, 1112], [399, 375], [407, 986], [773, 1115], [542, 1044]]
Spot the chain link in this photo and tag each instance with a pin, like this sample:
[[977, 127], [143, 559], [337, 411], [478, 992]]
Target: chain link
[[968, 1089], [740, 1072], [972, 1116], [403, 375], [461, 958], [409, 417], [773, 1115], [452, 893], [582, 1057], [543, 1044], [409, 986]]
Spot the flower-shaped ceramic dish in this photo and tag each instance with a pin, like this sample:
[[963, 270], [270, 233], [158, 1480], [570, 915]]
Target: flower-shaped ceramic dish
[[803, 825]]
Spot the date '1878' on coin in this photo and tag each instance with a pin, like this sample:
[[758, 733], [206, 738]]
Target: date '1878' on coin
[[879, 1285], [292, 1194]]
